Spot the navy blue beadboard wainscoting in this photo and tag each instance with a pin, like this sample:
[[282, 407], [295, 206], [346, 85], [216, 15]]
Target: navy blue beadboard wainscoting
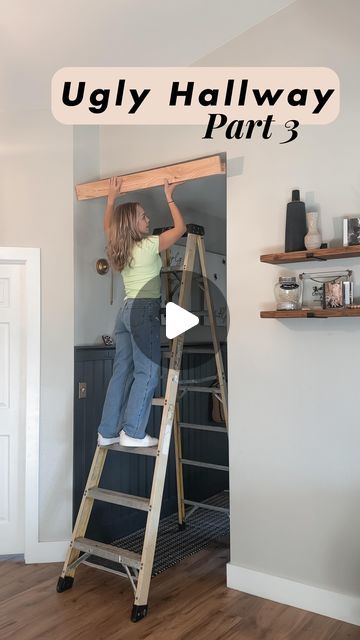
[[129, 473]]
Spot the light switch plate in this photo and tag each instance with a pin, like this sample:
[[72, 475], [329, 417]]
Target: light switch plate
[[82, 390]]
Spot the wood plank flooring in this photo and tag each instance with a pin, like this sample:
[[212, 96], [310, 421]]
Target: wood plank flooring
[[188, 602]]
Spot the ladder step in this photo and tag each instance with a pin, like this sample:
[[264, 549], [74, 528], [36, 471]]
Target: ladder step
[[203, 505], [171, 269], [207, 465], [108, 551], [197, 313], [202, 427], [158, 402], [142, 451], [124, 499], [189, 349], [190, 228], [186, 387], [167, 354]]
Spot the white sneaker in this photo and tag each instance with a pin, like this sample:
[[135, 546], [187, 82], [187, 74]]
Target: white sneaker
[[127, 441], [104, 442]]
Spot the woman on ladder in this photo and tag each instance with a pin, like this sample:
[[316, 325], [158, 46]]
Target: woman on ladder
[[135, 253]]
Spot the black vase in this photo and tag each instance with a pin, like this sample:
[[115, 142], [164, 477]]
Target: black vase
[[296, 230]]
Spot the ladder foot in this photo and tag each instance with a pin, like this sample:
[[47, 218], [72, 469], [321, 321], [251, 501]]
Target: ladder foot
[[64, 584], [138, 612], [181, 526]]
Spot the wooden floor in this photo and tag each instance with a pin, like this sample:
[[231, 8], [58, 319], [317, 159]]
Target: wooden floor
[[187, 602]]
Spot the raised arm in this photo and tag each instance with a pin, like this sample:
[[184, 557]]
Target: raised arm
[[169, 237], [114, 192]]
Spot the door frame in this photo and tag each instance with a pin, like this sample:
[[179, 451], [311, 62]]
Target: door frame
[[34, 551]]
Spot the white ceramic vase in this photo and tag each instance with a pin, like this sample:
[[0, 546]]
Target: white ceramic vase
[[312, 239]]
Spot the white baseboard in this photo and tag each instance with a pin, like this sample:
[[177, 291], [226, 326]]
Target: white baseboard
[[327, 603], [47, 552]]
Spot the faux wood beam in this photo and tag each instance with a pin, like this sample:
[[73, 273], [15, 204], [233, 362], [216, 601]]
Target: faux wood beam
[[154, 177]]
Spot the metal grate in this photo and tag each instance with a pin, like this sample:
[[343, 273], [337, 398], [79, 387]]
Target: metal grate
[[203, 528]]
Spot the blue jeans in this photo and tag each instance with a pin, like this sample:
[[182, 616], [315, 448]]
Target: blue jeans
[[136, 369]]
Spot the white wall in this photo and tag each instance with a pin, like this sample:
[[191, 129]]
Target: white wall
[[294, 428], [36, 210], [295, 437]]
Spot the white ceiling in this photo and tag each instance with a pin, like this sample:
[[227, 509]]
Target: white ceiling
[[37, 37]]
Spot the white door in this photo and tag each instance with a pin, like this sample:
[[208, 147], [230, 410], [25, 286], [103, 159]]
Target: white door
[[12, 408]]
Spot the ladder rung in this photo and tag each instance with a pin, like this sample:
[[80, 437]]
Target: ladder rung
[[197, 313], [167, 354], [186, 387], [158, 402], [202, 427], [124, 499], [142, 451], [203, 505], [108, 551], [171, 269], [190, 349], [207, 465]]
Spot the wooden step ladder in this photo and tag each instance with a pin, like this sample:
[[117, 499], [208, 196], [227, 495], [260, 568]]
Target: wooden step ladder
[[138, 567], [218, 391]]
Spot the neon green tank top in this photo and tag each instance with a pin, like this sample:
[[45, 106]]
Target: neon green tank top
[[142, 279]]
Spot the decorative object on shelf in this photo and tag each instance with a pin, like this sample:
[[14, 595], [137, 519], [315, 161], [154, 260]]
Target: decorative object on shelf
[[312, 285], [312, 240], [287, 294], [108, 341], [351, 231], [348, 289], [333, 295], [295, 230]]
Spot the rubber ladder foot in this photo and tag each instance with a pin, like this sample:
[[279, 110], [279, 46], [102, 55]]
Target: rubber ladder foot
[[181, 526], [64, 584], [138, 612]]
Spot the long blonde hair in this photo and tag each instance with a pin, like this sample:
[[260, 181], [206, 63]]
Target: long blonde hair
[[123, 235]]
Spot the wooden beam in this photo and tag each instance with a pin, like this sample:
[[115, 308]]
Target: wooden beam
[[154, 177]]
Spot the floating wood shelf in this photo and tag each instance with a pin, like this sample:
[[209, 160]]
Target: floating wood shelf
[[312, 313], [318, 255]]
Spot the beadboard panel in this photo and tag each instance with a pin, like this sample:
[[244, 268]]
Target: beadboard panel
[[129, 473]]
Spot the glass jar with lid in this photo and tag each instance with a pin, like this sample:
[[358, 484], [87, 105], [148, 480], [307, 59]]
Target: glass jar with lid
[[287, 294]]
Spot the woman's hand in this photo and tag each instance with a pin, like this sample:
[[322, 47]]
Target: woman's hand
[[114, 188], [169, 188]]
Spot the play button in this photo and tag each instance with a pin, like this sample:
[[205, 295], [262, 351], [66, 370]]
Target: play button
[[178, 320]]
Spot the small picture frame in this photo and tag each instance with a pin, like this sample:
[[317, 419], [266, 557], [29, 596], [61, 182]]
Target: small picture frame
[[333, 297], [351, 231], [313, 292]]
